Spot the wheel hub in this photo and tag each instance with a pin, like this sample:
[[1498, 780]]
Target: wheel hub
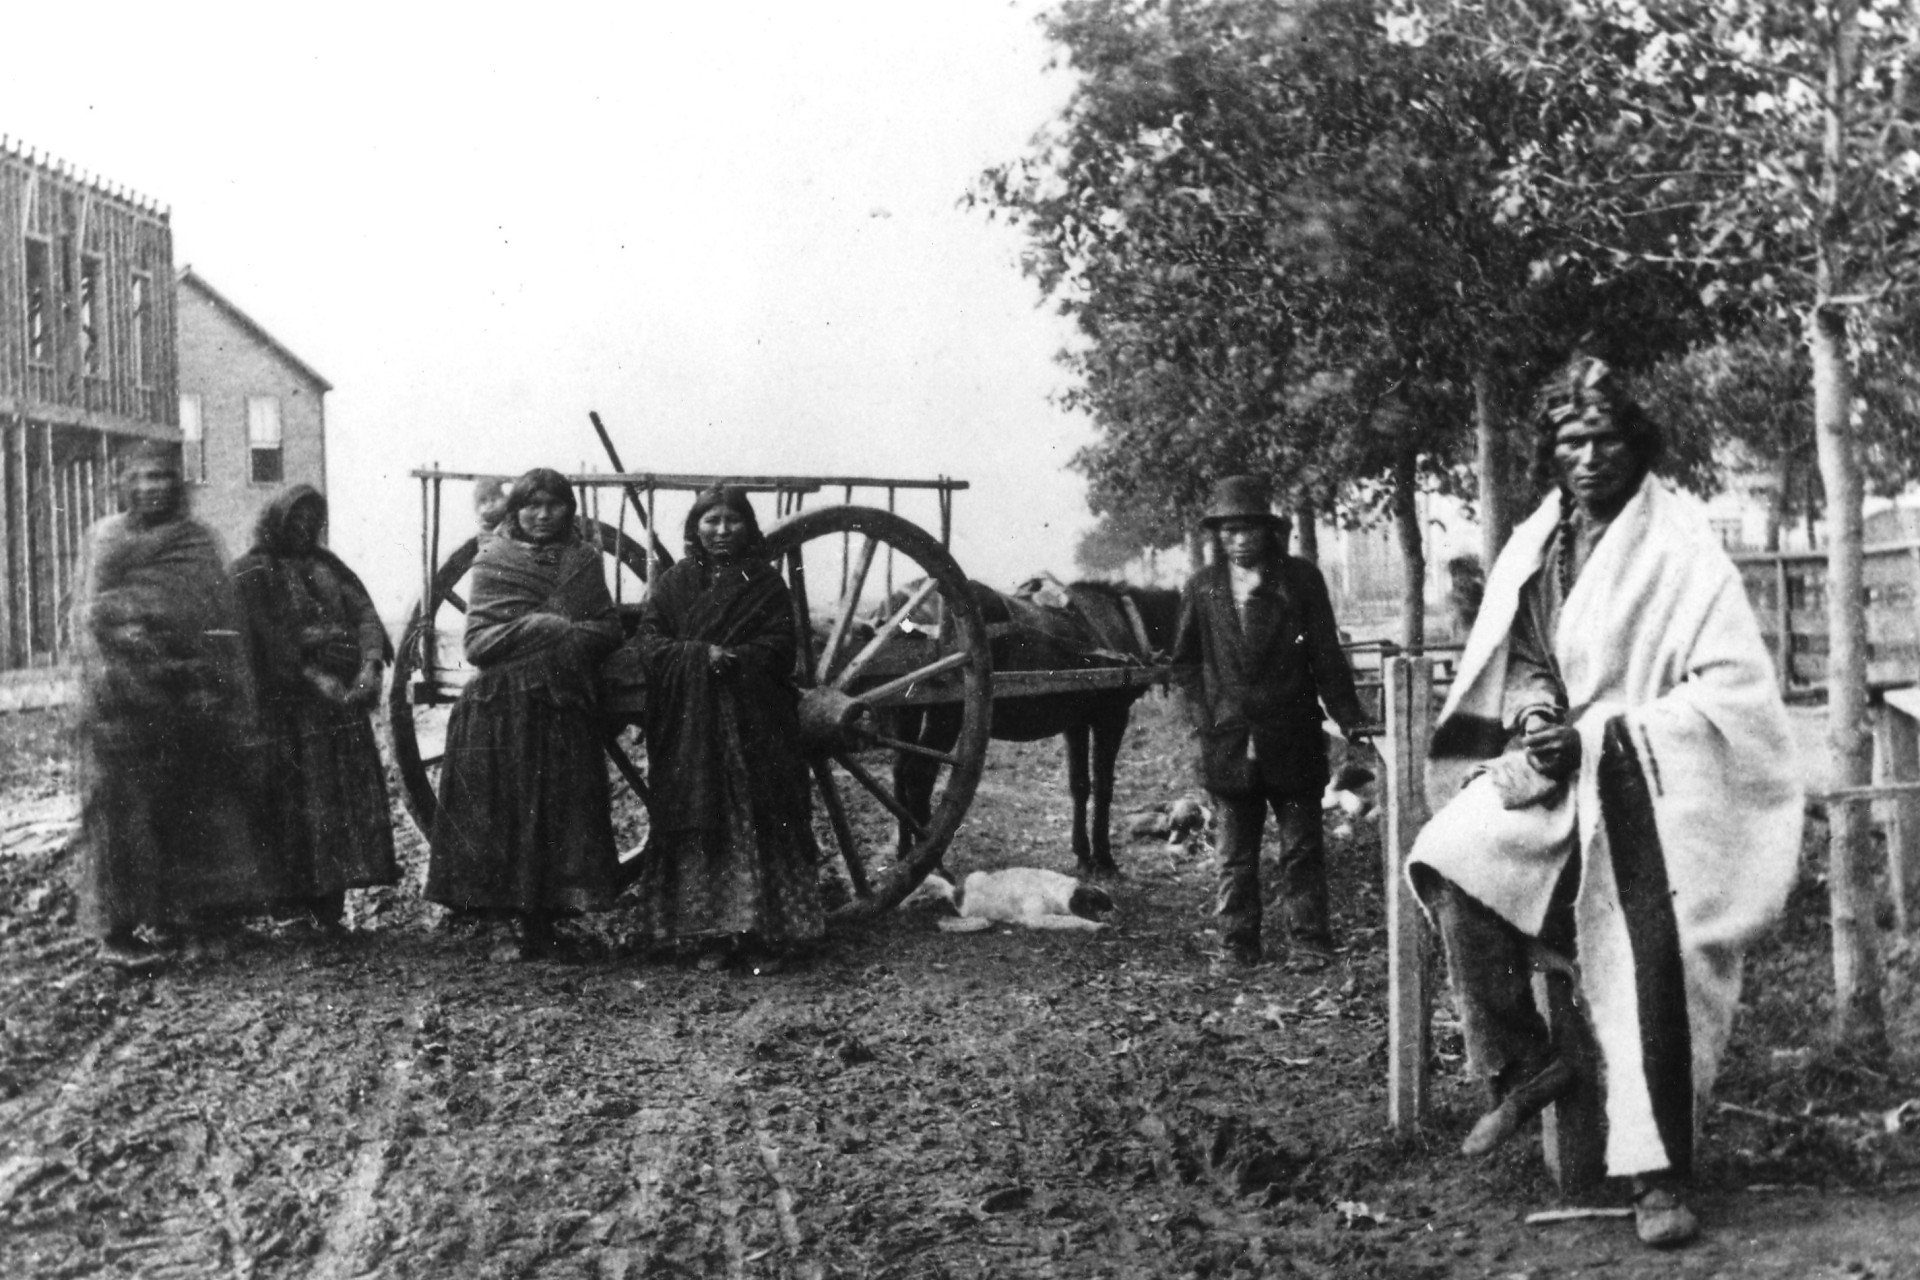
[[831, 720]]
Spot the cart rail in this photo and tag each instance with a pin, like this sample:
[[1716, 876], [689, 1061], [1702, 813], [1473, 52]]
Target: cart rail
[[691, 482]]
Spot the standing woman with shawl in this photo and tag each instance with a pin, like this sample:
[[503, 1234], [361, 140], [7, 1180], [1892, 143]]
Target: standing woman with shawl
[[731, 862], [318, 653], [524, 826], [166, 736], [1614, 781]]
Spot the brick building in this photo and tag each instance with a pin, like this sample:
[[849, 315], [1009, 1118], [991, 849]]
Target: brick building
[[252, 413], [86, 369]]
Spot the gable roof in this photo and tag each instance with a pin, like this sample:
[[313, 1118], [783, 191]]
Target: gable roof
[[187, 275]]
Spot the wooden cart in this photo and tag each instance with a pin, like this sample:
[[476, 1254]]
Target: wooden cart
[[858, 657]]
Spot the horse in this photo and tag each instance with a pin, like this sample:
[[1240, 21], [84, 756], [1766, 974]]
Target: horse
[[1089, 624]]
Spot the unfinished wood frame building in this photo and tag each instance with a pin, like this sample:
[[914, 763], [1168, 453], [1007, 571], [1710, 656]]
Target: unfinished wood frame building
[[87, 368]]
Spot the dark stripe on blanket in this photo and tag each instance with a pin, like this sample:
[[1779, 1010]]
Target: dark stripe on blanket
[[1640, 871], [1467, 737]]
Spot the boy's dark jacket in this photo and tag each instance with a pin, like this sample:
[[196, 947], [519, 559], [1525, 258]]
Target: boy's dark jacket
[[1267, 684]]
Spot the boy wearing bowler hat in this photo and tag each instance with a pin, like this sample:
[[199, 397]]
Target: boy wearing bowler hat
[[1260, 625]]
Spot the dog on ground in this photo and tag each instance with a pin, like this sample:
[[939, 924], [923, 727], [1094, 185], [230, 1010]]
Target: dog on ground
[[1031, 897], [1353, 789]]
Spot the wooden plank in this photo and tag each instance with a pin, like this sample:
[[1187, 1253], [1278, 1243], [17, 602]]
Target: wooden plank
[[1029, 684], [60, 509], [619, 541], [13, 379], [1783, 628], [7, 544], [18, 535], [1896, 760], [33, 545], [428, 642], [1408, 698]]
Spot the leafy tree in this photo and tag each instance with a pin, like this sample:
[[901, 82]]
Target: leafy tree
[[1775, 145], [1122, 538], [1746, 403], [1277, 230]]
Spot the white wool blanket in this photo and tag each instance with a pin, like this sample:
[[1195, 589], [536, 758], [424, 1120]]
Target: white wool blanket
[[1656, 631]]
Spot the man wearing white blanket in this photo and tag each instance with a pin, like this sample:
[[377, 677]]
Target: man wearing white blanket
[[1644, 821]]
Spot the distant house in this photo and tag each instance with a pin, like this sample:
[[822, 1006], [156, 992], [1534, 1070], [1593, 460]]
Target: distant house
[[86, 370], [252, 413]]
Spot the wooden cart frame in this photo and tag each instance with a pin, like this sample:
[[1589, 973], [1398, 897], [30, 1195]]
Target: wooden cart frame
[[851, 669]]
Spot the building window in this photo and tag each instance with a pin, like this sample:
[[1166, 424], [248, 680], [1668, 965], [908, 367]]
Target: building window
[[193, 441], [263, 439], [90, 315], [39, 302], [142, 330]]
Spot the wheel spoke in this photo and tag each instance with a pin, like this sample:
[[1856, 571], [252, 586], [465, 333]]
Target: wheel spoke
[[886, 634], [802, 615], [915, 749], [886, 798], [939, 666], [848, 603], [842, 829]]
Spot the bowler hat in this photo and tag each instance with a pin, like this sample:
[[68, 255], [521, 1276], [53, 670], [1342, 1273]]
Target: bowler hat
[[1242, 498]]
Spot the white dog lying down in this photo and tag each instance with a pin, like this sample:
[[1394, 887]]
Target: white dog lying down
[[1028, 896]]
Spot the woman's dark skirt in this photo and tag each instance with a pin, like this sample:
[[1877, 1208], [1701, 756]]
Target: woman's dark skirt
[[327, 795], [524, 820]]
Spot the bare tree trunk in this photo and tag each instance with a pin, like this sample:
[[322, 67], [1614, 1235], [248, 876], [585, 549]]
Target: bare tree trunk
[[1809, 512], [1413, 551], [1782, 496], [1307, 526], [1496, 516], [1858, 1016]]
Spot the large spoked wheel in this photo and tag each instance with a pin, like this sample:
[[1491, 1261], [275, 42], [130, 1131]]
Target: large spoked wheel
[[873, 664], [430, 669]]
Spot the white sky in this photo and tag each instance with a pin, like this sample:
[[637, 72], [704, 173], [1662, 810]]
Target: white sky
[[730, 228]]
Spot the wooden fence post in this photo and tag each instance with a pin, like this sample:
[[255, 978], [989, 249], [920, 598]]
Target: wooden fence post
[[1896, 755], [1406, 694]]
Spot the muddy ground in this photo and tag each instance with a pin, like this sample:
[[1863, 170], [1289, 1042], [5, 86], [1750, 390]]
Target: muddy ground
[[911, 1104]]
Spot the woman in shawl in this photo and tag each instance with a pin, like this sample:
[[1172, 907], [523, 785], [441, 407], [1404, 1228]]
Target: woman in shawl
[[524, 825], [318, 653], [731, 861], [167, 741]]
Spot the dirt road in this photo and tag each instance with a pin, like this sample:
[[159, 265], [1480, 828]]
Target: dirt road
[[911, 1104]]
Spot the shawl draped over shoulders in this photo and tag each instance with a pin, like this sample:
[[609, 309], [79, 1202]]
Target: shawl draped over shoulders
[[312, 627], [168, 741], [732, 849], [524, 821]]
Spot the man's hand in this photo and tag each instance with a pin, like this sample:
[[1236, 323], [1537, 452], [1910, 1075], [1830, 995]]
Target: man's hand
[[1554, 751], [722, 661]]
